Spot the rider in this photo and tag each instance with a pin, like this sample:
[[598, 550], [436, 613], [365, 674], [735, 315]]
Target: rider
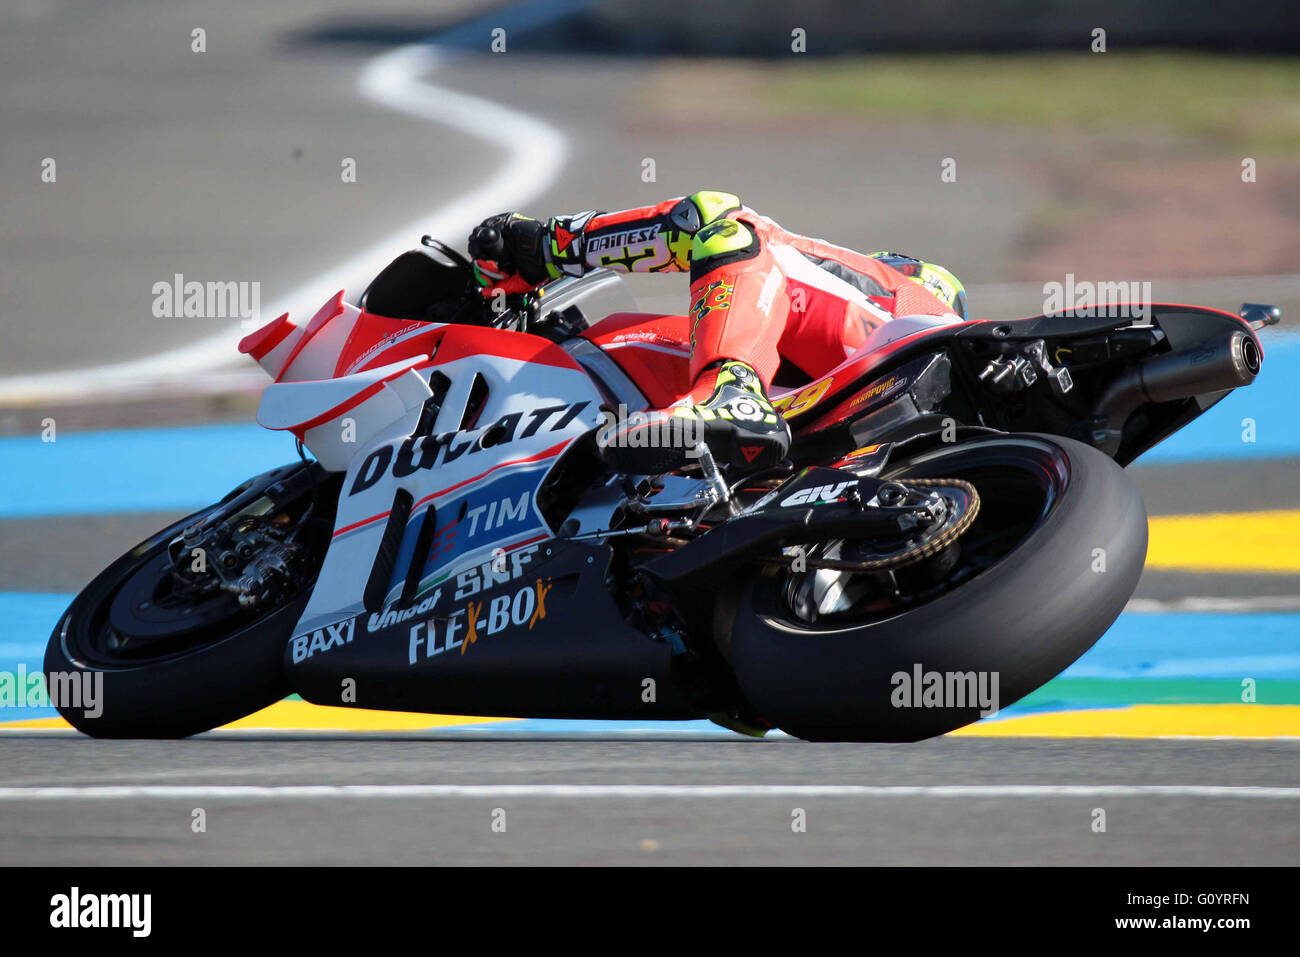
[[759, 294]]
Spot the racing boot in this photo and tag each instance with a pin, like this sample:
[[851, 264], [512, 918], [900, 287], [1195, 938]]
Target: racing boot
[[743, 431]]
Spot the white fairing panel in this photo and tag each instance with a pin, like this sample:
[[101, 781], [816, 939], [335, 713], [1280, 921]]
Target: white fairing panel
[[481, 498], [397, 393]]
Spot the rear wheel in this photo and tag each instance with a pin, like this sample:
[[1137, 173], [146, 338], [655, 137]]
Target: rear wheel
[[176, 649], [1045, 568]]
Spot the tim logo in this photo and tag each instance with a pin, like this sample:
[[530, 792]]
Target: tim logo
[[500, 514]]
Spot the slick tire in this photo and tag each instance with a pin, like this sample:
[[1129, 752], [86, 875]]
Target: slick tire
[[1023, 619], [172, 695]]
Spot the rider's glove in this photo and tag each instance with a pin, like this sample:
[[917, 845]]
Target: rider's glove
[[509, 253]]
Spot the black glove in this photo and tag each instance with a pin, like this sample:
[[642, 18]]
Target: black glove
[[508, 252]]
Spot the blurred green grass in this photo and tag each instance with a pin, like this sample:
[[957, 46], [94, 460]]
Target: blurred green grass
[[1219, 101]]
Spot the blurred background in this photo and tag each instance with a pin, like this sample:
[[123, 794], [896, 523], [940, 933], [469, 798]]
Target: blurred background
[[832, 117], [1108, 141]]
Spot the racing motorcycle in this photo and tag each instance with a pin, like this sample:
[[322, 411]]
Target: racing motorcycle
[[954, 509]]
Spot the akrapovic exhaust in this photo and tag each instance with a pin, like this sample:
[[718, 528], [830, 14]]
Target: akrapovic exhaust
[[1212, 366]]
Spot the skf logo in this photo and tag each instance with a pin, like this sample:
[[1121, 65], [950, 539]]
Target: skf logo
[[323, 639], [818, 493], [499, 571]]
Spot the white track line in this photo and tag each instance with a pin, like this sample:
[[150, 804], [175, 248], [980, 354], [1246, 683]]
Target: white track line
[[534, 153], [408, 791], [1258, 604]]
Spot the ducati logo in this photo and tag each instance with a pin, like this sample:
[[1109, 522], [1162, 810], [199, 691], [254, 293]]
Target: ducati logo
[[425, 453]]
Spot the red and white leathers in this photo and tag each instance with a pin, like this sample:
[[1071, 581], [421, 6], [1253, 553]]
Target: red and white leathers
[[759, 293]]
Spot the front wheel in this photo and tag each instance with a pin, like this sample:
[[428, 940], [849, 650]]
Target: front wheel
[[1045, 569], [160, 644]]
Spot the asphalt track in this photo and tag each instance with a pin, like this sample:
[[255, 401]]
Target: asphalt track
[[229, 170], [721, 802]]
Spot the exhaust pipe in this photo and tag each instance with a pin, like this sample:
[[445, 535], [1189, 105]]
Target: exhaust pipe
[[1228, 362], [1224, 363]]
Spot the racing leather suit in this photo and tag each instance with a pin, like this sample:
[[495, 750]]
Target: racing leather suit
[[759, 293]]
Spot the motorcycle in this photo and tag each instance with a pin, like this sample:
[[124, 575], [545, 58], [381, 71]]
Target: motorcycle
[[953, 518]]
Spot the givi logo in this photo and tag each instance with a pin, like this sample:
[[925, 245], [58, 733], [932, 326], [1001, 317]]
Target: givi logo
[[818, 493]]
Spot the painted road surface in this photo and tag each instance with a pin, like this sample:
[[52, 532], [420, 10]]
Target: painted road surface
[[1160, 674]]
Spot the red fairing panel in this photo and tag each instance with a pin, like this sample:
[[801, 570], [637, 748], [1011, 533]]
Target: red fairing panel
[[261, 341], [379, 341], [654, 350], [325, 315], [461, 341]]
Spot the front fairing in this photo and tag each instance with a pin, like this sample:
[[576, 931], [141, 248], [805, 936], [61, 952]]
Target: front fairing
[[443, 433], [501, 425]]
